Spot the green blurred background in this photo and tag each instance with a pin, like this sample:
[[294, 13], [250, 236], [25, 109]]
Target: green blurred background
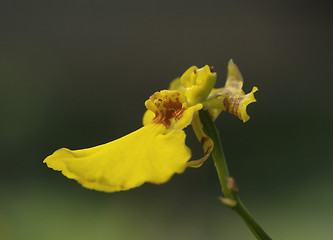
[[76, 74]]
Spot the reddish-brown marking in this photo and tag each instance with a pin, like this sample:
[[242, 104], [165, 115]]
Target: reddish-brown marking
[[226, 104], [226, 92], [173, 110], [235, 84], [162, 114], [203, 140], [211, 68], [169, 113], [208, 150], [236, 102], [172, 105], [179, 113], [231, 184]]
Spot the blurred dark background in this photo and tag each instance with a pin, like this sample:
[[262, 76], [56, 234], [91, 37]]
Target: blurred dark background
[[76, 74]]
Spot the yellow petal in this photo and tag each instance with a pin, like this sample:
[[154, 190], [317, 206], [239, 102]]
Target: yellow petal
[[150, 154]]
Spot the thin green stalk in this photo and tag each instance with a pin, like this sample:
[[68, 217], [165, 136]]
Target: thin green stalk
[[229, 187]]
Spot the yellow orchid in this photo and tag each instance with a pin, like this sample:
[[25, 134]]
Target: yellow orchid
[[156, 151]]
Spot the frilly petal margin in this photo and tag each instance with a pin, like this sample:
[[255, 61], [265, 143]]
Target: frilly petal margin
[[149, 154]]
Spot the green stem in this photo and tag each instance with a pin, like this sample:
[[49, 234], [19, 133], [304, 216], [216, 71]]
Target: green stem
[[230, 192]]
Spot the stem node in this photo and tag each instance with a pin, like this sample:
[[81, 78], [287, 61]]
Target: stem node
[[228, 202]]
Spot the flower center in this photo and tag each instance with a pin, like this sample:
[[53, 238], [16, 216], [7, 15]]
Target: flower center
[[168, 106]]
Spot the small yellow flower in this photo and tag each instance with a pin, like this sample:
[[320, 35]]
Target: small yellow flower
[[156, 151]]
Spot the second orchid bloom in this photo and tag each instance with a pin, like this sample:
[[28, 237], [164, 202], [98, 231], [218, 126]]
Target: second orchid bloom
[[156, 151]]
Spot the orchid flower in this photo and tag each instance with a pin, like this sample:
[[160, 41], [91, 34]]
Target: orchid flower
[[157, 151]]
